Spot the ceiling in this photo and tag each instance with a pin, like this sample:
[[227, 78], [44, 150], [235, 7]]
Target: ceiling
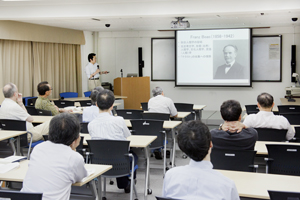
[[150, 15]]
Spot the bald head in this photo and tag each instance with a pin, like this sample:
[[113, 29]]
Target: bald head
[[9, 90]]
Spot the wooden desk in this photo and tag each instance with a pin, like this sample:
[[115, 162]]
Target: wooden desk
[[180, 115], [4, 135], [284, 101], [256, 185], [41, 119], [136, 141], [19, 174], [260, 146]]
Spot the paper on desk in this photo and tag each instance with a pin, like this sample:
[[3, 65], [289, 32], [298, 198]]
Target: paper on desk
[[90, 172], [11, 159], [7, 167]]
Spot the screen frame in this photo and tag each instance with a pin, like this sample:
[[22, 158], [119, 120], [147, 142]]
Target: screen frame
[[209, 86]]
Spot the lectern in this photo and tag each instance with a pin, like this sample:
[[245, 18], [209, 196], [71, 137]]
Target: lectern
[[137, 90]]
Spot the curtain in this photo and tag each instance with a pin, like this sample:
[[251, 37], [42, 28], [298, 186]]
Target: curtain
[[16, 65]]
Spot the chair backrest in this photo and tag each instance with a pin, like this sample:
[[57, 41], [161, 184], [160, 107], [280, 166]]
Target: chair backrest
[[31, 110], [149, 127], [164, 198], [29, 101], [284, 109], [129, 113], [297, 134], [156, 116], [285, 159], [111, 152], [270, 134], [15, 125], [238, 160], [293, 118], [85, 103], [44, 112], [87, 93], [251, 109], [68, 94], [84, 127], [184, 107], [282, 195], [144, 106], [63, 103], [17, 195]]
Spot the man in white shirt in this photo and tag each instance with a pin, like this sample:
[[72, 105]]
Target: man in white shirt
[[92, 112], [197, 180], [93, 72], [161, 104], [107, 126], [55, 165], [13, 108]]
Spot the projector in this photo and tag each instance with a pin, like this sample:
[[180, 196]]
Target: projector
[[179, 23]]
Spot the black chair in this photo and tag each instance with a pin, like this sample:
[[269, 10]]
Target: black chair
[[115, 153], [293, 118], [31, 101], [251, 109], [63, 103], [144, 106], [237, 160], [85, 103], [156, 116], [283, 159], [129, 113], [288, 109], [44, 112], [151, 127], [297, 134], [84, 127], [17, 195], [31, 110], [164, 198], [281, 195], [186, 107], [270, 134]]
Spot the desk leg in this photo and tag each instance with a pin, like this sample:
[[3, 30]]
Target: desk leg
[[174, 148], [94, 189], [99, 188], [147, 180], [198, 114], [18, 146]]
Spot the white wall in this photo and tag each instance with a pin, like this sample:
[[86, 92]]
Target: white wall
[[119, 50]]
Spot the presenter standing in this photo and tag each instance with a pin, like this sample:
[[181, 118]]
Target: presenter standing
[[93, 72]]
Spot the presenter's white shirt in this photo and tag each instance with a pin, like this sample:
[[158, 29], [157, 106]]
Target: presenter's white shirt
[[264, 119], [90, 69], [162, 104], [198, 181], [107, 126], [52, 169], [12, 110]]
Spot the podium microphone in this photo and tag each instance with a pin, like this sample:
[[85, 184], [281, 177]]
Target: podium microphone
[[121, 73]]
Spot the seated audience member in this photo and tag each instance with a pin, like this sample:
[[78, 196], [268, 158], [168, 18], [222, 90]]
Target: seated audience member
[[13, 108], [55, 165], [197, 180], [265, 118], [107, 126], [161, 104], [44, 89], [92, 112], [231, 112]]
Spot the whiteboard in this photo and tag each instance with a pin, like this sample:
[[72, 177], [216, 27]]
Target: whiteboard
[[266, 58], [163, 59]]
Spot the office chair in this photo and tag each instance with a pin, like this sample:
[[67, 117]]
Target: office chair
[[283, 159], [44, 112], [31, 101], [186, 107], [297, 134], [164, 198], [115, 153], [84, 127], [130, 113], [17, 195], [293, 118], [63, 103], [87, 93], [68, 94], [237, 160], [31, 110], [144, 106], [151, 127], [25, 100], [288, 109], [282, 195], [156, 116], [85, 103], [251, 109], [270, 134]]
